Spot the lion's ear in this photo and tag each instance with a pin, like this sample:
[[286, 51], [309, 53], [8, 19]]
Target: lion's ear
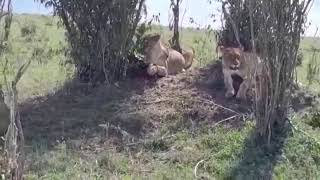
[[238, 52], [221, 49]]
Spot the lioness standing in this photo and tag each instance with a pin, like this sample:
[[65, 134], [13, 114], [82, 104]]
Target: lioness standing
[[247, 65], [165, 61]]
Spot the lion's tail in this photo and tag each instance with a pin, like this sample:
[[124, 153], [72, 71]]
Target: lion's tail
[[189, 58]]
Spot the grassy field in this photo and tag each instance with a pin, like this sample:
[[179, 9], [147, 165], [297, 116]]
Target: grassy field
[[38, 38], [174, 146]]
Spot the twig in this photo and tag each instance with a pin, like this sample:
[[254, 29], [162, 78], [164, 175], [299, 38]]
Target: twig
[[136, 21], [20, 72], [196, 168], [142, 170], [157, 101], [107, 126], [220, 106], [224, 120], [225, 108], [304, 133], [306, 7], [149, 140], [3, 14], [4, 72], [200, 101], [251, 26], [234, 26], [21, 157]]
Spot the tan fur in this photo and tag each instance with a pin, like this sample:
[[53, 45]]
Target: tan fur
[[157, 70], [162, 71], [189, 56], [4, 116], [244, 64], [152, 69], [157, 54]]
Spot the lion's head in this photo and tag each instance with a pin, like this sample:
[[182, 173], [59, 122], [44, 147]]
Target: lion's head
[[231, 57], [150, 41], [157, 53]]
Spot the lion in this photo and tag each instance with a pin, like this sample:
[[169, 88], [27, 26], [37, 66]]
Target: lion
[[165, 61], [246, 65], [4, 115]]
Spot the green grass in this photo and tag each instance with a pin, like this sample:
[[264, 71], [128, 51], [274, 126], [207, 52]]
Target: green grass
[[307, 44], [44, 44], [203, 42], [227, 153]]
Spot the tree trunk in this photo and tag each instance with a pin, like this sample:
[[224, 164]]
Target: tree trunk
[[175, 41]]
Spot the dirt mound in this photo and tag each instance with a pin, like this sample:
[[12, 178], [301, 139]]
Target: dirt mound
[[132, 109]]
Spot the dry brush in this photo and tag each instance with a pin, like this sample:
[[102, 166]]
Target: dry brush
[[100, 34]]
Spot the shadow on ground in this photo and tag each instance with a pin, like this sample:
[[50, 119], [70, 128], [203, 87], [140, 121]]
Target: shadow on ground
[[257, 160], [130, 110], [210, 80], [79, 112]]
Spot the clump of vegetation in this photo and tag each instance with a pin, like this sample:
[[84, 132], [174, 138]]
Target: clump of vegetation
[[203, 45], [28, 30], [313, 68], [100, 34], [314, 119], [12, 163]]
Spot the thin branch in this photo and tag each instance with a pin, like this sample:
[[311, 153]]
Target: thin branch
[[158, 101], [196, 169], [251, 27], [234, 26], [222, 107], [136, 21], [3, 14], [4, 73], [304, 133], [150, 140], [20, 72], [307, 6], [225, 120], [2, 6]]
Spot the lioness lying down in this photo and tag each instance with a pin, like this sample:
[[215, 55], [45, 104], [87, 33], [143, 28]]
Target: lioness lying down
[[165, 61], [247, 65]]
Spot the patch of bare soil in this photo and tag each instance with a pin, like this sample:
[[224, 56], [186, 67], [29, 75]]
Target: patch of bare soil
[[92, 118]]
